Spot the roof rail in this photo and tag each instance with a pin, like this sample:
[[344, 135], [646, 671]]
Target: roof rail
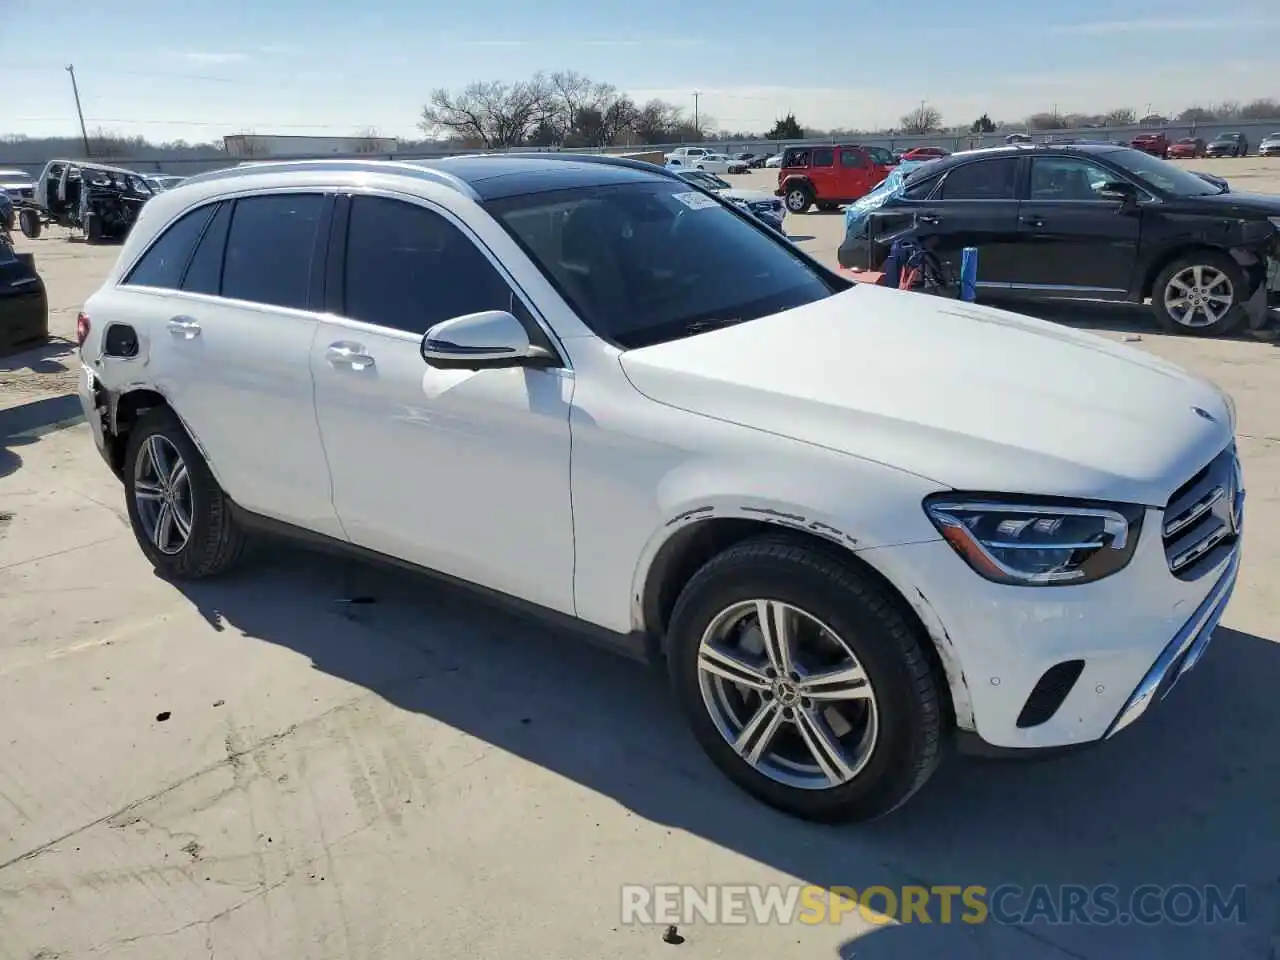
[[418, 169], [604, 158]]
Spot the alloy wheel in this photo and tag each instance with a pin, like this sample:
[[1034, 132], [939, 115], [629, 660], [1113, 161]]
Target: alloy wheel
[[1199, 296], [797, 200], [788, 694], [162, 493]]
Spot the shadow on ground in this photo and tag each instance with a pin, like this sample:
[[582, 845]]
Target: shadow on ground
[[22, 424], [51, 357], [1187, 796]]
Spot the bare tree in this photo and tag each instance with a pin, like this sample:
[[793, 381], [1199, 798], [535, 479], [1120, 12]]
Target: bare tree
[[922, 119], [1120, 117], [1046, 121], [1261, 109], [493, 113], [1197, 115]]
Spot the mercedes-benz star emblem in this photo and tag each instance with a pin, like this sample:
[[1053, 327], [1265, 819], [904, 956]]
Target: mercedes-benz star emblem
[[1205, 414]]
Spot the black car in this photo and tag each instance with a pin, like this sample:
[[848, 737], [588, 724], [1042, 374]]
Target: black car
[[1089, 221], [1228, 145], [24, 305]]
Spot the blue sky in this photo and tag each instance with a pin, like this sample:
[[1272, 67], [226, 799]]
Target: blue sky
[[196, 72]]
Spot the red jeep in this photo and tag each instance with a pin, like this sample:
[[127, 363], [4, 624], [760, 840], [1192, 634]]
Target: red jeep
[[1156, 144], [830, 176]]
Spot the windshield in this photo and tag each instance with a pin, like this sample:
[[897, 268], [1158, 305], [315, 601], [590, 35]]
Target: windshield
[[648, 262], [1165, 177]]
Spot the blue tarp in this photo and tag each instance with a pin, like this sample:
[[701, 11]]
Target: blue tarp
[[856, 213]]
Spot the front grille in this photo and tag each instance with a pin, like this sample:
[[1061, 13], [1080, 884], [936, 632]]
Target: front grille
[[1202, 519]]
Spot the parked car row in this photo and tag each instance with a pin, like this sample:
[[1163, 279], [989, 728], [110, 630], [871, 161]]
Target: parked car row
[[1086, 220]]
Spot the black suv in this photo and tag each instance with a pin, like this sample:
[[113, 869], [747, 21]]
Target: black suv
[[1228, 145], [1084, 220]]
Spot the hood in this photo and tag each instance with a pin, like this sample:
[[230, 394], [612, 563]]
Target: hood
[[970, 397], [1231, 204]]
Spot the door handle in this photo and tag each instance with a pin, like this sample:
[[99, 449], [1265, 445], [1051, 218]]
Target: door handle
[[351, 355], [1033, 221], [185, 327], [929, 218]]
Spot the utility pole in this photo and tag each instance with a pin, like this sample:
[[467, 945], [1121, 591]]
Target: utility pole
[[84, 134], [695, 112]]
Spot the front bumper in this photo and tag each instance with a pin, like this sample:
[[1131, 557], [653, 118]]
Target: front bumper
[[999, 644]]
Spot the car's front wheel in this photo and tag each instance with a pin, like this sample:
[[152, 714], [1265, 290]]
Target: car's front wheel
[[804, 683], [180, 516], [1201, 293]]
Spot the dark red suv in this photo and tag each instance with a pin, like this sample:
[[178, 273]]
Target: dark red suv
[[1156, 144], [830, 176]]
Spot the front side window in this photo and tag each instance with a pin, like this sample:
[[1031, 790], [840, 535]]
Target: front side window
[[1067, 178], [982, 180], [408, 268], [647, 262], [881, 157], [270, 248], [852, 158], [165, 260]]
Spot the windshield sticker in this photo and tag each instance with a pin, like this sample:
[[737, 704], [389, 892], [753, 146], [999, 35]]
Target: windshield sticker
[[696, 201]]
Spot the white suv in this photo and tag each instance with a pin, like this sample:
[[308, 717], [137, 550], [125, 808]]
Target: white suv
[[855, 522]]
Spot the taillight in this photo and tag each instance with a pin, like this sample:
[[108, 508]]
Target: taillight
[[82, 328]]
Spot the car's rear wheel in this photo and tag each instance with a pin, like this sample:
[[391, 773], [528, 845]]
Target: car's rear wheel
[[1200, 293], [804, 683], [29, 223], [180, 516], [798, 198]]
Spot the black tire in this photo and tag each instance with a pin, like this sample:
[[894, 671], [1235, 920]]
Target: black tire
[[799, 197], [29, 223], [1211, 259], [890, 649], [216, 541]]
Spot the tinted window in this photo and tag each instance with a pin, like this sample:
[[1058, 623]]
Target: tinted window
[[1067, 178], [164, 261], [796, 158], [852, 158], [645, 262], [204, 273], [824, 157], [269, 249], [1161, 174], [920, 190], [981, 180], [408, 268]]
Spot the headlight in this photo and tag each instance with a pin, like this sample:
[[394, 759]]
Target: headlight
[[1037, 542]]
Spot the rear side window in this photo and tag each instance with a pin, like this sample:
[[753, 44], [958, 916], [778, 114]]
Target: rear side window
[[270, 248], [824, 157], [204, 273], [796, 157], [852, 158], [408, 268], [982, 180], [163, 263]]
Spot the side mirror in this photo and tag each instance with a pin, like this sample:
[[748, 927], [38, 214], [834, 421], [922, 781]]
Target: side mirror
[[490, 340], [1118, 190]]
